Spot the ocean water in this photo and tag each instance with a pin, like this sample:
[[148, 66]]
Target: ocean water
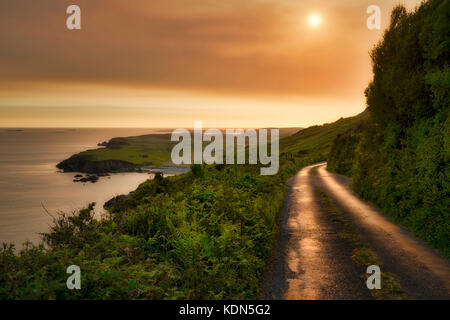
[[30, 181]]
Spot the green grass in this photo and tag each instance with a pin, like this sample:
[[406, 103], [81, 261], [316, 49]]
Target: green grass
[[314, 143], [140, 150]]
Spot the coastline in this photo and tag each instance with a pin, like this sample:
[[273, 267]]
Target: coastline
[[29, 178]]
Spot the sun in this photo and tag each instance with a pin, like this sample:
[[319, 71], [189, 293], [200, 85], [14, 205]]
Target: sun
[[314, 20]]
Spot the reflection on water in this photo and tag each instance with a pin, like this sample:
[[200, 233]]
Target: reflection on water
[[29, 178]]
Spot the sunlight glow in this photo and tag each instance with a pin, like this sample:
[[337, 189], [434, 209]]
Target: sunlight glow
[[314, 20]]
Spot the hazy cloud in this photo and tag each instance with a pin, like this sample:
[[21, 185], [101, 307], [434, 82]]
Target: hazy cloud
[[240, 46], [232, 47]]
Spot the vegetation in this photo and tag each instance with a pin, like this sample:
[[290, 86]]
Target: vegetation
[[343, 150], [204, 235], [401, 155], [313, 145]]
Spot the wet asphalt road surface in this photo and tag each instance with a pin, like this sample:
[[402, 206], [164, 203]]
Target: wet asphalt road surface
[[310, 261]]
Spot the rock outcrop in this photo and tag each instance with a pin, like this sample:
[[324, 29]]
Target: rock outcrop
[[85, 164]]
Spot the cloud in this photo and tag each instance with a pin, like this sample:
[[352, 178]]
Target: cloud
[[238, 47]]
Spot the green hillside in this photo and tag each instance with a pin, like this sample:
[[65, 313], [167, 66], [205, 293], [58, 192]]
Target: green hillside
[[313, 144]]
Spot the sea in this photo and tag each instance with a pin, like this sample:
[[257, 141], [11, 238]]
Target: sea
[[32, 189]]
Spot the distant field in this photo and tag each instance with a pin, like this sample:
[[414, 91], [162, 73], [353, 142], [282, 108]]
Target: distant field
[[152, 149]]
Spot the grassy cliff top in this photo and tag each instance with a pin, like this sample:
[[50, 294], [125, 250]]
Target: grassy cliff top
[[140, 150]]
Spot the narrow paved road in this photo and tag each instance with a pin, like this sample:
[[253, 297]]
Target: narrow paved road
[[311, 261]]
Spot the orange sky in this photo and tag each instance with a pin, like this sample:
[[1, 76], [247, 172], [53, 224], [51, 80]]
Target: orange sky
[[166, 63]]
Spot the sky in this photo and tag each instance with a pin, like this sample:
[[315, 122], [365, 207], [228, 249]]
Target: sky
[[166, 63]]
